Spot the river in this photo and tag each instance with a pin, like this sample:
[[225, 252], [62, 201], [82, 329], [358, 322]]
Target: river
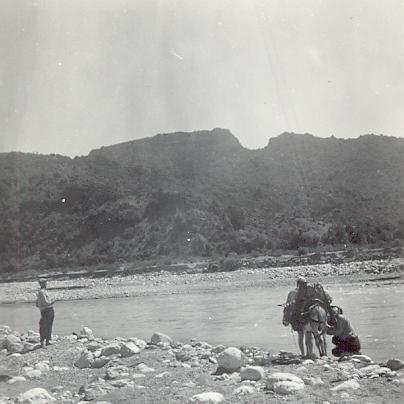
[[243, 317]]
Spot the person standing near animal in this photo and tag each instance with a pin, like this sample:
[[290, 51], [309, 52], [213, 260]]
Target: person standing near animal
[[344, 337], [45, 305], [306, 294], [298, 301]]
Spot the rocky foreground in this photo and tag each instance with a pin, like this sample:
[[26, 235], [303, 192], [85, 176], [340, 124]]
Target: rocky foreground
[[82, 368]]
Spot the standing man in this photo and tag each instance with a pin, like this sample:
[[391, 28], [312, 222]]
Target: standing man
[[344, 337], [45, 305]]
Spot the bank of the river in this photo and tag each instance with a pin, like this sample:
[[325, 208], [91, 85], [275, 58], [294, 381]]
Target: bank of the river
[[90, 369], [171, 283]]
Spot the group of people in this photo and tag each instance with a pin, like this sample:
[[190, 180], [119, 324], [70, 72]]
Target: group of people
[[344, 338]]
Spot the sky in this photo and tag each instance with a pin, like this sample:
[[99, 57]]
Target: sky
[[76, 75]]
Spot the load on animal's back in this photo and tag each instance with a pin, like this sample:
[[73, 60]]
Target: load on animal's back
[[306, 296], [306, 310]]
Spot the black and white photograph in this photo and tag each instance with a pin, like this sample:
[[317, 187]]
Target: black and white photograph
[[201, 201]]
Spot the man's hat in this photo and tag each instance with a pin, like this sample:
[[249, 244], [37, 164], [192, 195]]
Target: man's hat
[[301, 280], [42, 281]]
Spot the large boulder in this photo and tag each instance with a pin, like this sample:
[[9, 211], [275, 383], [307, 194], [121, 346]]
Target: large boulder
[[284, 383], [208, 397], [252, 373], [85, 360], [231, 359], [159, 337], [35, 396], [395, 364], [111, 349], [129, 349]]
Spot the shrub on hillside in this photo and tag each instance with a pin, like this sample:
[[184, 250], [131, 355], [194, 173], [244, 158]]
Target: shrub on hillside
[[230, 263], [302, 251]]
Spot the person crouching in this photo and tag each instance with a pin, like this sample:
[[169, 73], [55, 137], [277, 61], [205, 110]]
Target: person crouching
[[45, 305], [344, 338]]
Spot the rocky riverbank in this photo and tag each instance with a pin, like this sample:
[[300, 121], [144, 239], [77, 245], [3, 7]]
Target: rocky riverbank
[[83, 368], [171, 283]]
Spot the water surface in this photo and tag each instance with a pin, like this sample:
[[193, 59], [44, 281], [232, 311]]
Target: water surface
[[242, 317]]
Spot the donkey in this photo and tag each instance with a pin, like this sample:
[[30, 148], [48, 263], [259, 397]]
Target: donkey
[[313, 322]]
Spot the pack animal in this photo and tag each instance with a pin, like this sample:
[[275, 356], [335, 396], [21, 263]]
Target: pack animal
[[313, 322]]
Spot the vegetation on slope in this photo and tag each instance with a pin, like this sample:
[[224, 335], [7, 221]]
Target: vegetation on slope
[[199, 194]]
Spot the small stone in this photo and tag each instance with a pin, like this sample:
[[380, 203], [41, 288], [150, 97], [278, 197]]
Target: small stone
[[244, 390], [93, 346], [121, 383], [347, 385], [231, 359], [16, 355], [367, 370], [313, 381], [86, 332], [15, 347], [218, 349], [116, 372], [252, 373], [183, 355], [16, 379], [138, 375], [395, 364], [35, 396], [138, 342], [85, 360], [129, 349], [190, 385], [112, 349], [362, 358], [284, 383], [144, 368], [100, 362], [161, 375], [207, 398], [159, 337], [33, 374], [42, 366]]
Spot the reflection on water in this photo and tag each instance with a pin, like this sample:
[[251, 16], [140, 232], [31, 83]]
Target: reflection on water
[[242, 317]]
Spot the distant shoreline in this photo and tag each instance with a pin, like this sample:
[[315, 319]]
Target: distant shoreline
[[165, 283]]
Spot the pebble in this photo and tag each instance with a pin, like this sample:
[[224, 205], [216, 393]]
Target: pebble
[[16, 379]]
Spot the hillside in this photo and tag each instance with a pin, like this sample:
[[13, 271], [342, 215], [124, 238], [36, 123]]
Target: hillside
[[198, 194]]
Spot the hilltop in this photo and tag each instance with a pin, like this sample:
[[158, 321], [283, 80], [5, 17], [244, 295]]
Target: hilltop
[[199, 194]]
